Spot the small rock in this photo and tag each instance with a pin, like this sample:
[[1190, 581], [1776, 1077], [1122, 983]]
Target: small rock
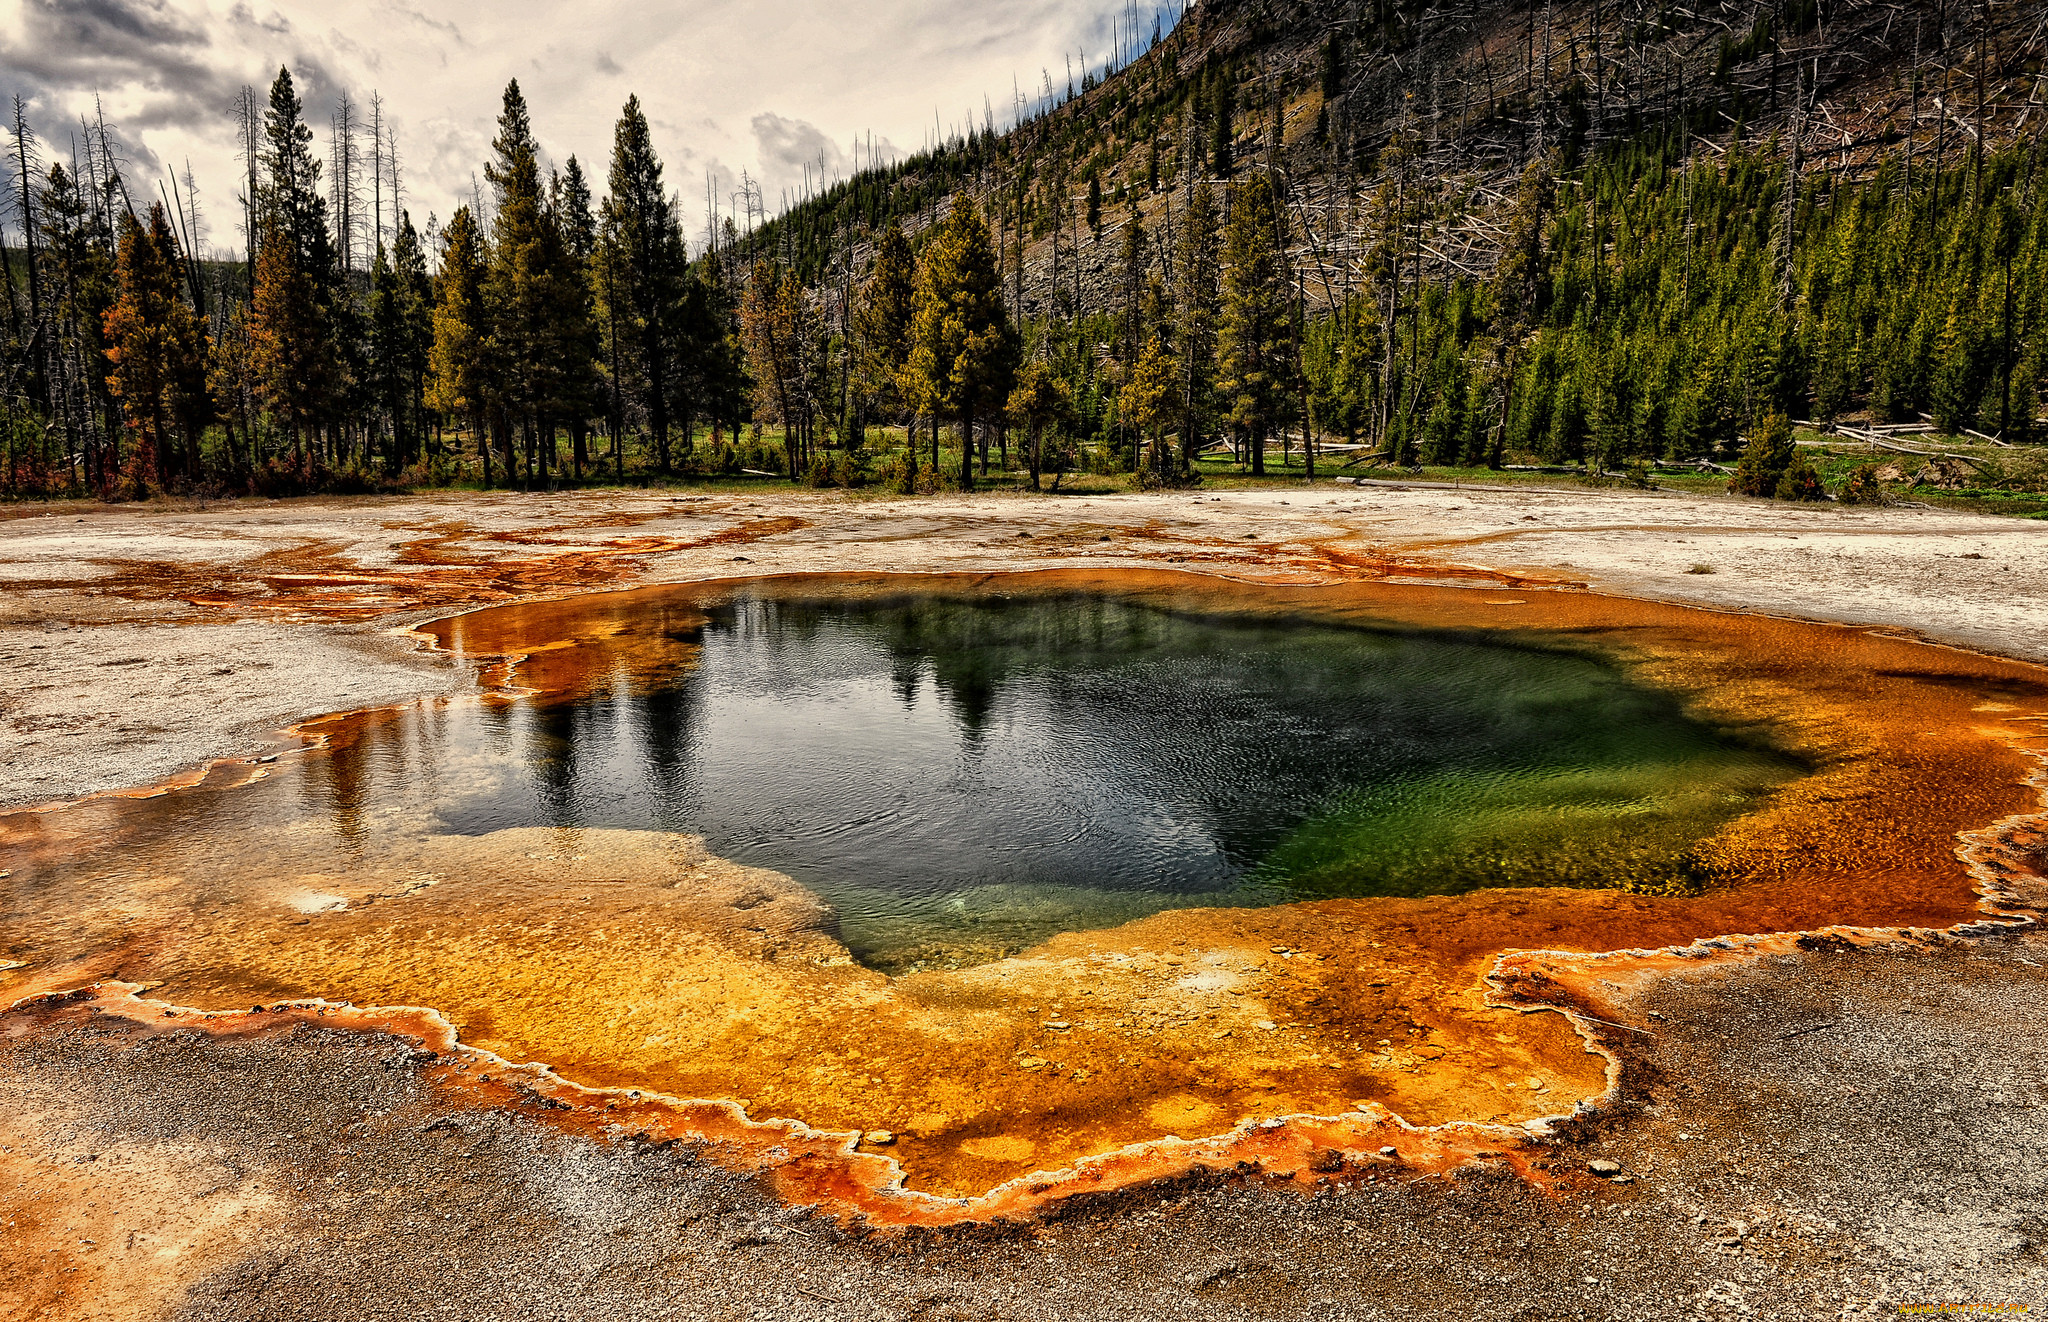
[[1536, 1084], [1390, 1151], [1267, 1024], [1058, 1025], [1031, 1063], [1602, 1166], [880, 1138], [1280, 950]]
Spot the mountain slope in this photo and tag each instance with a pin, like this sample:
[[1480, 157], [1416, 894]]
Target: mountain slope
[[1448, 97]]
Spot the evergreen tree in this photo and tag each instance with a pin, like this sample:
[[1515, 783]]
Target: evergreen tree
[[964, 350], [882, 325], [457, 384], [288, 342], [714, 366], [292, 330], [575, 312], [1333, 67], [641, 248], [1256, 367], [1340, 358], [1042, 401], [520, 287], [1132, 266], [157, 348], [401, 339], [1196, 306], [77, 261], [1223, 128], [1148, 399], [291, 199], [1766, 460], [772, 329]]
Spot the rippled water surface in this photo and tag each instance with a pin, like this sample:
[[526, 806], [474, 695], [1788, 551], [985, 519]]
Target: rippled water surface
[[960, 776]]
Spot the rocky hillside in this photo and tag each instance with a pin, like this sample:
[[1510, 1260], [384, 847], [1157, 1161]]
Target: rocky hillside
[[1449, 101]]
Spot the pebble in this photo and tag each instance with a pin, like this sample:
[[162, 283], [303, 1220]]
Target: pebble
[[1390, 1151], [1058, 1025], [880, 1138], [1267, 1024], [1602, 1166]]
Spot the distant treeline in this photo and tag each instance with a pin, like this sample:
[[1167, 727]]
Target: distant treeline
[[1641, 295]]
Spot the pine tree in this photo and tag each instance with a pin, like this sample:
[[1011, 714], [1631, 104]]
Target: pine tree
[[1041, 402], [287, 341], [1333, 67], [771, 327], [1148, 401], [1340, 358], [401, 339], [574, 316], [882, 325], [1133, 259], [291, 181], [641, 250], [1519, 283], [292, 325], [157, 348], [1766, 460], [1962, 372], [1196, 293], [964, 350], [1223, 128], [1256, 368], [520, 287], [78, 274], [711, 358], [457, 384]]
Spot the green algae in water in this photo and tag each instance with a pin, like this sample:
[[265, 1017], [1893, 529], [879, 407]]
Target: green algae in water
[[963, 776]]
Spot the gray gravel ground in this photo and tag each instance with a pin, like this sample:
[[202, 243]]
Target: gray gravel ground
[[1826, 1135]]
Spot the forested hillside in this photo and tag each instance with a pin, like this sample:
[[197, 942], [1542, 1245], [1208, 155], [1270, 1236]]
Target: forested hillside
[[1602, 235]]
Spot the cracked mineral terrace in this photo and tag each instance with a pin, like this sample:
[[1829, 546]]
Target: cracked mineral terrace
[[1818, 1125]]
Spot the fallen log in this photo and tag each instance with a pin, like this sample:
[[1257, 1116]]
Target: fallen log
[[1870, 438]]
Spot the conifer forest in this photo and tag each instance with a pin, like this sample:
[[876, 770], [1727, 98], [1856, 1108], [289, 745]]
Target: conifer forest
[[1610, 239]]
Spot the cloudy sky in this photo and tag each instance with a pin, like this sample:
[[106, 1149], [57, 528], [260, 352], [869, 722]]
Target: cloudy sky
[[761, 86]]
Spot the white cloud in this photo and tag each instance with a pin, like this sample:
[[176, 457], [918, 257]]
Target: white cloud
[[731, 86]]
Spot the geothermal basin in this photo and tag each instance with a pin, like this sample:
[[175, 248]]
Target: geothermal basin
[[945, 891]]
